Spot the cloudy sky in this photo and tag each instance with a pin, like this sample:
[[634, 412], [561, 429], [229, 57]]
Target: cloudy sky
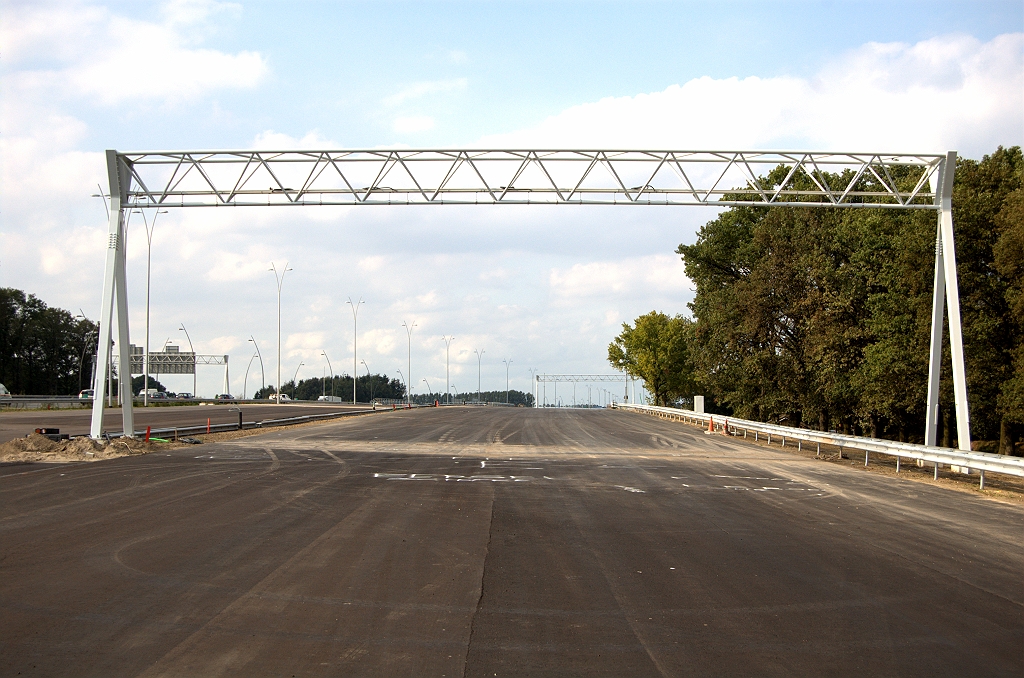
[[546, 287]]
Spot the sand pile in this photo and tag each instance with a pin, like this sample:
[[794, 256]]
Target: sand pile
[[36, 447]]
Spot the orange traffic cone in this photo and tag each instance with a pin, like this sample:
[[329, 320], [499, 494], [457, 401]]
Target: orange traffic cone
[[711, 424]]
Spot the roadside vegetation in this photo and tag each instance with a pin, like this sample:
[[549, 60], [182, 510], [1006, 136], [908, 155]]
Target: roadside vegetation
[[43, 350], [820, 318]]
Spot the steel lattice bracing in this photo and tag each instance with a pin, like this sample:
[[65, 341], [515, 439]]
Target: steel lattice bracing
[[164, 179], [581, 378], [578, 177]]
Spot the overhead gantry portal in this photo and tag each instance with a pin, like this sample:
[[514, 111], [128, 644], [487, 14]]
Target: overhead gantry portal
[[165, 179]]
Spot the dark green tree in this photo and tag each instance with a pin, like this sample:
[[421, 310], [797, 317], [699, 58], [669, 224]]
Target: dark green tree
[[43, 350]]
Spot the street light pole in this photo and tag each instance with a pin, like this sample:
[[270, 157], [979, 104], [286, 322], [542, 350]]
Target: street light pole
[[149, 260], [408, 390], [447, 383], [429, 391], [368, 378], [355, 345], [263, 376], [406, 382], [479, 358], [508, 364], [194, 364], [295, 383], [280, 283], [245, 382], [324, 354]]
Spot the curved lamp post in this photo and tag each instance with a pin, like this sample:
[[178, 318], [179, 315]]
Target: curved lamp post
[[194, 364], [508, 364], [245, 382], [368, 378], [447, 384], [479, 358], [295, 380], [263, 376], [408, 390], [280, 283], [324, 354], [355, 345], [150, 228], [406, 382]]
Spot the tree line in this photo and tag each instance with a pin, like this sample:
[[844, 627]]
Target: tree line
[[820, 317], [43, 350], [513, 396], [367, 387]]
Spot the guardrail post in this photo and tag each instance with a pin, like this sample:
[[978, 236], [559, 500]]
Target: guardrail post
[[936, 476], [981, 483], [898, 458], [866, 453]]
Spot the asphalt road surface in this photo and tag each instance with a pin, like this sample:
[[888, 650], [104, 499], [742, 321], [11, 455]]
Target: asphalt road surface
[[19, 423], [501, 542]]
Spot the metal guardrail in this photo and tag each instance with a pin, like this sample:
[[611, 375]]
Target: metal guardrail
[[966, 461], [242, 425]]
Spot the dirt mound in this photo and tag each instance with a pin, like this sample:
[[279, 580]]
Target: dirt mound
[[35, 447]]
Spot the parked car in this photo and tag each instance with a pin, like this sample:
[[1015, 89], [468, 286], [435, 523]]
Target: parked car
[[87, 394], [159, 395], [4, 393], [284, 397], [225, 396], [184, 396]]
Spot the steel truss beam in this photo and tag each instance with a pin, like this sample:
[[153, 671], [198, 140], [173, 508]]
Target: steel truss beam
[[581, 378], [520, 177], [163, 179]]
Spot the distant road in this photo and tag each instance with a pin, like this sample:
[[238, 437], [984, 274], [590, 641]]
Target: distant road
[[18, 423], [501, 542]]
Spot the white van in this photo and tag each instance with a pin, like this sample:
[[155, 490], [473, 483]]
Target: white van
[[4, 393]]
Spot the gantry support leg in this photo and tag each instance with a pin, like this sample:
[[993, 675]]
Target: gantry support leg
[[227, 380], [115, 295], [931, 431], [946, 282]]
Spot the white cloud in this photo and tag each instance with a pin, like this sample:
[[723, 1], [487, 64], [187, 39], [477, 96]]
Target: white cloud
[[413, 124], [110, 59], [947, 92], [622, 278], [371, 264], [234, 266], [275, 141], [192, 12], [421, 89]]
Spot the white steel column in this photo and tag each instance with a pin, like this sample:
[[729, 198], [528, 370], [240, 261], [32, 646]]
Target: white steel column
[[946, 281], [956, 338], [114, 290], [931, 429], [227, 381], [124, 368]]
